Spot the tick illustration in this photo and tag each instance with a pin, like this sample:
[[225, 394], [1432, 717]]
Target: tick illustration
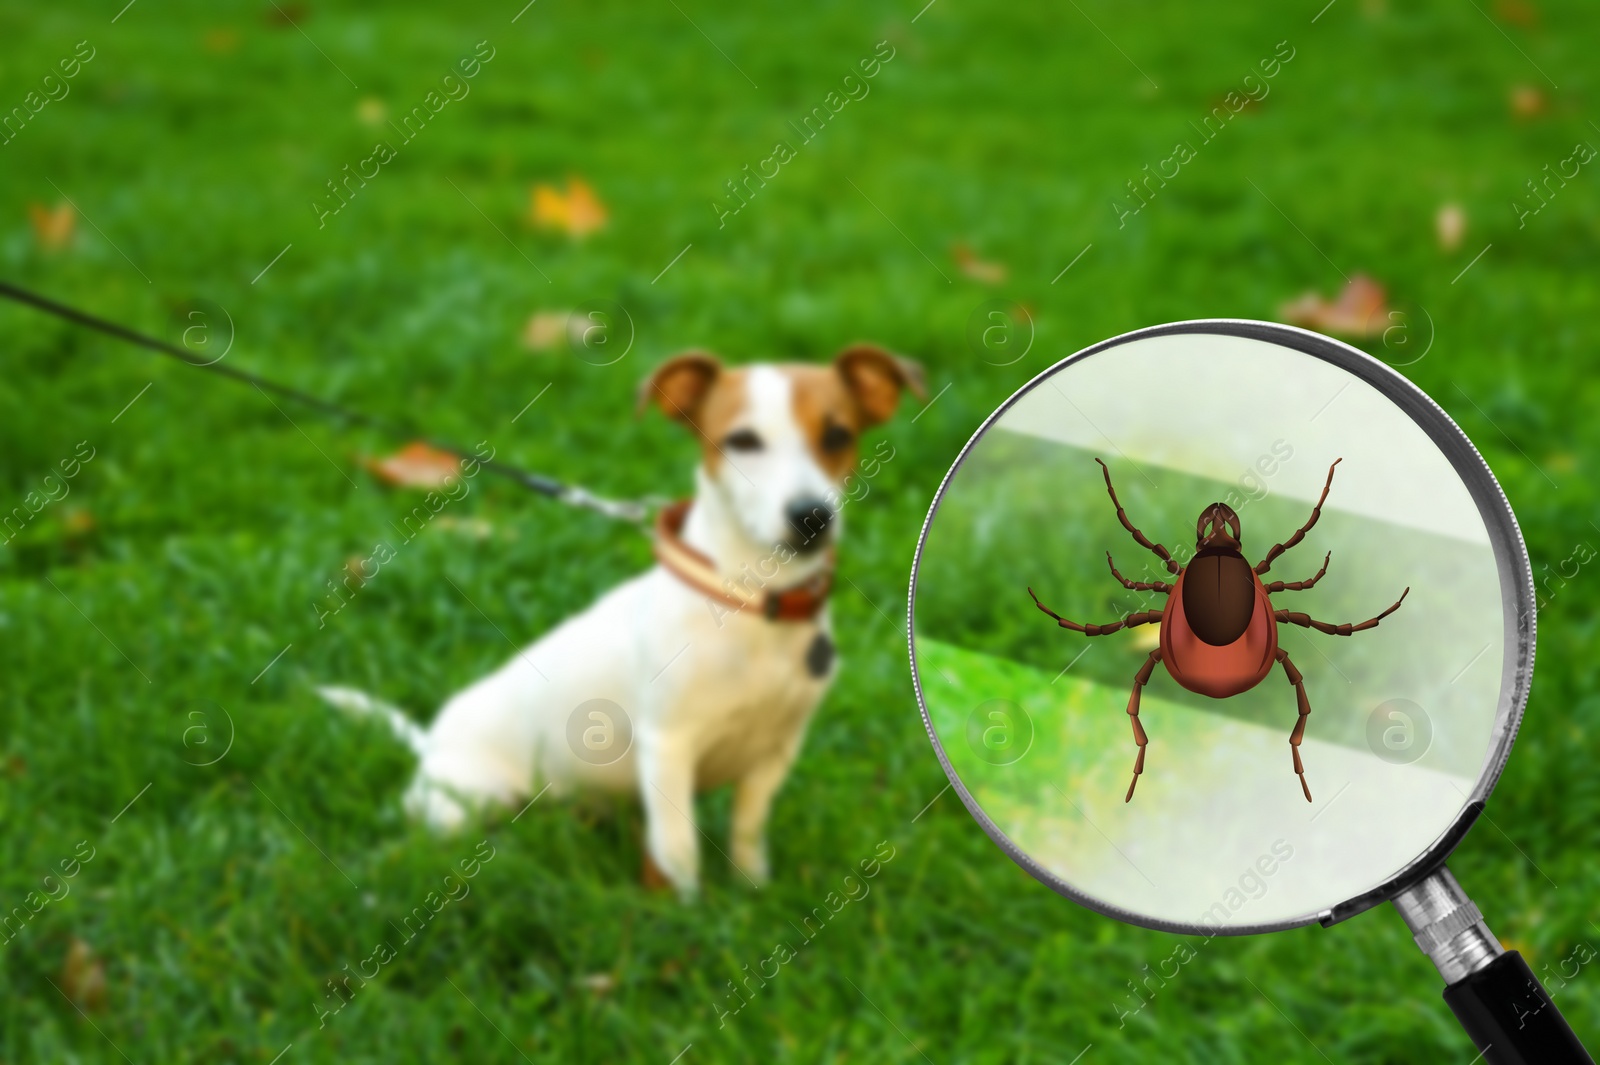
[[1219, 632]]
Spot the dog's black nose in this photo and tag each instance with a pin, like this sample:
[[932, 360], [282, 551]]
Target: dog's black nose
[[809, 518]]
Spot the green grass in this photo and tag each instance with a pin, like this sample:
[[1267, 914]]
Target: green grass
[[191, 548]]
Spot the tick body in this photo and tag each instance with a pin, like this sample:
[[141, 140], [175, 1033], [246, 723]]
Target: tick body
[[1219, 630], [1218, 635]]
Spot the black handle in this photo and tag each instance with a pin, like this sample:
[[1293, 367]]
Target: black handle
[[1510, 1016]]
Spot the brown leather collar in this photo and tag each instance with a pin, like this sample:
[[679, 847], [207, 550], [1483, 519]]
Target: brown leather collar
[[800, 603]]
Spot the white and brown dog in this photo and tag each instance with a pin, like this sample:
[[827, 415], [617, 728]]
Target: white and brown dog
[[706, 669]]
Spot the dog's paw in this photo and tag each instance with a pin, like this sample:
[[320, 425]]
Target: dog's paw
[[435, 808], [751, 860], [654, 879]]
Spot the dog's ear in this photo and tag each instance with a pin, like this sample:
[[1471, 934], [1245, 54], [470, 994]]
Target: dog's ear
[[876, 378], [679, 385]]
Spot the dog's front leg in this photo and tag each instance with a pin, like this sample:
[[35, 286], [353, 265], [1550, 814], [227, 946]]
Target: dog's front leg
[[752, 802], [666, 783]]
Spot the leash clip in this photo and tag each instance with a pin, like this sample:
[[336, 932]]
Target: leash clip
[[635, 511]]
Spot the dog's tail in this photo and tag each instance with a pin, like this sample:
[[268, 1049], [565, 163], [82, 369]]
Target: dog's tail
[[361, 704]]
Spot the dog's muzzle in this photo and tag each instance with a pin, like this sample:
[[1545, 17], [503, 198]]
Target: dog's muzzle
[[809, 520]]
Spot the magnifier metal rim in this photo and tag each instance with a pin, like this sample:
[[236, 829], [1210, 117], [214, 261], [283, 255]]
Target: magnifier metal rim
[[1511, 559]]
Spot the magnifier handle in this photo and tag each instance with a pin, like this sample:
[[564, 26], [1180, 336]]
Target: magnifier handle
[[1511, 1018], [1493, 993]]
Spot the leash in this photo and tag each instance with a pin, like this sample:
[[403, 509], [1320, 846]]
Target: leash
[[633, 511]]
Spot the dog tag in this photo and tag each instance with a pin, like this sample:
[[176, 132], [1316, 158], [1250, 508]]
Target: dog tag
[[819, 656]]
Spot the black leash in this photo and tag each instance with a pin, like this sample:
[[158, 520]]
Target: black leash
[[636, 511]]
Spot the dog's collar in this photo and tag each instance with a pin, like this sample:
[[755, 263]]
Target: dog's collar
[[800, 603]]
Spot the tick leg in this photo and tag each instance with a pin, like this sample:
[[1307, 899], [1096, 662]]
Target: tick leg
[[1139, 737], [1294, 617], [1299, 732], [1143, 617], [1300, 533], [1300, 586], [1138, 537], [1138, 586]]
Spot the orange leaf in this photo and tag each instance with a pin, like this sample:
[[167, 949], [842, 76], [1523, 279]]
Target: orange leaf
[[1451, 225], [53, 229], [286, 14], [1517, 12], [223, 40], [1360, 310], [417, 465], [1527, 101], [355, 566], [77, 522], [83, 977], [546, 330], [577, 213], [976, 268]]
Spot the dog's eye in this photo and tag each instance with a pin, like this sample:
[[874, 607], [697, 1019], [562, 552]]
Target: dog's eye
[[744, 440], [836, 438]]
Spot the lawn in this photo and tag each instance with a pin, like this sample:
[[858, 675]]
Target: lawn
[[165, 600]]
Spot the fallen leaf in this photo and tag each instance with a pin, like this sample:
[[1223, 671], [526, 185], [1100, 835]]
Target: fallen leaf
[[83, 977], [599, 983], [53, 228], [978, 269], [220, 41], [472, 528], [1451, 225], [577, 212], [1527, 101], [1359, 310], [1517, 13], [286, 14], [371, 111], [546, 330], [1220, 105], [417, 465], [77, 521]]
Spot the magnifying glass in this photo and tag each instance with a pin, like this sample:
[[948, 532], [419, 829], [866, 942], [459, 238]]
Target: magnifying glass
[[1225, 627]]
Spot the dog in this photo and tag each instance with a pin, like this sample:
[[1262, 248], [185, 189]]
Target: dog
[[704, 670]]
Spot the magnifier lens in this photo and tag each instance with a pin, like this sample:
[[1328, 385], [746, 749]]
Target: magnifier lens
[[1031, 719]]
